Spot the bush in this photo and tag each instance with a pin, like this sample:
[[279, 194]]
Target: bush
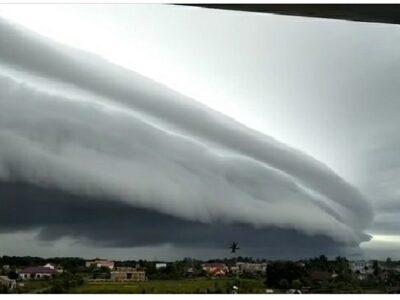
[[65, 282], [3, 289], [280, 270], [283, 284], [13, 275], [296, 284]]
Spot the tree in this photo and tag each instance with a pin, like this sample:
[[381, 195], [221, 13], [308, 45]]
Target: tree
[[341, 265], [283, 283], [13, 275], [277, 271], [319, 263], [3, 289], [323, 258], [64, 282], [376, 268], [102, 272], [296, 284]]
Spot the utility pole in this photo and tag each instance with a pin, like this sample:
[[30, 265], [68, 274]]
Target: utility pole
[[234, 247]]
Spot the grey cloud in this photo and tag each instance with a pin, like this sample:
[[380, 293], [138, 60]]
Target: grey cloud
[[77, 217], [202, 167], [50, 141]]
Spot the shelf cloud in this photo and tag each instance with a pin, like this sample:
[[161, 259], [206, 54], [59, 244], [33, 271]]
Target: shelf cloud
[[98, 152]]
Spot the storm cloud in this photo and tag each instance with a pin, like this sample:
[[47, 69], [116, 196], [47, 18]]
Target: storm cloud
[[90, 149], [77, 217]]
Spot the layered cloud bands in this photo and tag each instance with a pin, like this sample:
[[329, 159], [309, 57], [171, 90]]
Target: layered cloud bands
[[73, 124]]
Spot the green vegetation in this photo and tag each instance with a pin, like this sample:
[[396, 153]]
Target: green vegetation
[[64, 282], [315, 275], [33, 286], [320, 275], [61, 284], [183, 286], [26, 261]]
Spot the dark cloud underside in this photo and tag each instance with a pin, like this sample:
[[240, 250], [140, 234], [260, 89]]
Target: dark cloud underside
[[116, 224]]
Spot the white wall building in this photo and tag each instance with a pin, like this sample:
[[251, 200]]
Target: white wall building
[[362, 267], [7, 282], [37, 273], [98, 263], [161, 265], [245, 267]]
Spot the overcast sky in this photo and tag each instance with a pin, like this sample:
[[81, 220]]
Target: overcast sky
[[159, 131]]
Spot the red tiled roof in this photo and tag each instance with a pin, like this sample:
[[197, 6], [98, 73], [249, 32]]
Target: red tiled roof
[[35, 270]]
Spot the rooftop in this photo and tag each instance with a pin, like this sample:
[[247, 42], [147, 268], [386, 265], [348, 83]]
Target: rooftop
[[38, 269]]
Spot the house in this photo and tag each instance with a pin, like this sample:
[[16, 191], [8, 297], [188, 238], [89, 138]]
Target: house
[[395, 269], [234, 269], [10, 284], [37, 273], [192, 272], [362, 276], [384, 275], [161, 265], [50, 265], [362, 267], [98, 263], [6, 267], [128, 274], [251, 268], [58, 268], [301, 264], [215, 269]]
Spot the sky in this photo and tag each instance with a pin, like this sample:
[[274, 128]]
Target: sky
[[162, 132]]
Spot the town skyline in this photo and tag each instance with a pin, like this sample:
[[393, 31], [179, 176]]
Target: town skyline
[[229, 275], [138, 131]]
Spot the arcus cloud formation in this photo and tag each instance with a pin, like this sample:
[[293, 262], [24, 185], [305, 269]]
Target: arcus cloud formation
[[157, 150]]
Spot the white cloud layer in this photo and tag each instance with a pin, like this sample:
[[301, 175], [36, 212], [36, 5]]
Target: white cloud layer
[[72, 121]]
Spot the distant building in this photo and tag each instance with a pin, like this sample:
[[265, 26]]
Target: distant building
[[98, 263], [251, 268], [362, 267], [301, 264], [390, 268], [59, 269], [128, 274], [50, 265], [11, 284], [37, 273], [361, 276], [161, 265], [215, 269]]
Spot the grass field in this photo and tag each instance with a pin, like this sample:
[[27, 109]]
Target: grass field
[[185, 286], [33, 286]]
